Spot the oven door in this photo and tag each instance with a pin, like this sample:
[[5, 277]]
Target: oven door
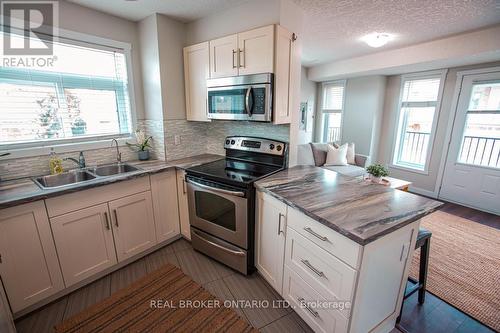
[[243, 102], [218, 210]]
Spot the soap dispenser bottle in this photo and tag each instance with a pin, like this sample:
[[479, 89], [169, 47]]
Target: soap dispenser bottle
[[55, 163]]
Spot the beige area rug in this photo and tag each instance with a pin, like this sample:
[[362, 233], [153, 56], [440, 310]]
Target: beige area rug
[[464, 266], [130, 310]]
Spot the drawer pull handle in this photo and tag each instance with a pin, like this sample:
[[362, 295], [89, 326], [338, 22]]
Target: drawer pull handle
[[311, 311], [116, 217], [106, 220], [312, 268], [312, 232]]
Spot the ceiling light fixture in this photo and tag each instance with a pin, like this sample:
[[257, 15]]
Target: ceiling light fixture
[[377, 39]]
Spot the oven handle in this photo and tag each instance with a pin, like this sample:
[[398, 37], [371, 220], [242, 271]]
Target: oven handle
[[247, 101], [236, 253], [214, 189]]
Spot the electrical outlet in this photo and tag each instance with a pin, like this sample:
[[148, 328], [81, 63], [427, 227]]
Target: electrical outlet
[[177, 140]]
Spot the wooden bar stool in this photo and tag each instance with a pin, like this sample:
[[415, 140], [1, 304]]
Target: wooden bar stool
[[423, 243]]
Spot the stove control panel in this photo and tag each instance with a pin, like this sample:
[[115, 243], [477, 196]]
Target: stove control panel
[[259, 145]]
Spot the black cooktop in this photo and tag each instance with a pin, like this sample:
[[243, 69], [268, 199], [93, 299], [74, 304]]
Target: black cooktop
[[231, 171]]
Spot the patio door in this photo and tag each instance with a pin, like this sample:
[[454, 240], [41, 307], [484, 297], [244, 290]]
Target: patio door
[[472, 170]]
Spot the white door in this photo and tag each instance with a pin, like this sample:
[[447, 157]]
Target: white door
[[224, 57], [28, 260], [165, 206], [133, 224], [255, 51], [196, 73], [472, 171], [84, 242], [270, 239]]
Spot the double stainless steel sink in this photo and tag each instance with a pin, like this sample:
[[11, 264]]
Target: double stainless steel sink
[[82, 175]]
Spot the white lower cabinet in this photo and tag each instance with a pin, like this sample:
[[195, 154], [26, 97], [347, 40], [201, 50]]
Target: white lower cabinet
[[84, 242], [28, 261], [270, 239], [183, 204], [133, 224], [165, 205], [6, 321]]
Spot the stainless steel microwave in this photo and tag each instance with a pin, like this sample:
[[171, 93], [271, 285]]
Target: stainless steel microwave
[[245, 97]]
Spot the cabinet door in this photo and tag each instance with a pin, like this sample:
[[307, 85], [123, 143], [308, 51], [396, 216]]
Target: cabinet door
[[183, 204], [84, 242], [270, 239], [6, 321], [28, 260], [133, 224], [256, 51], [224, 57], [165, 205], [285, 75], [196, 73]]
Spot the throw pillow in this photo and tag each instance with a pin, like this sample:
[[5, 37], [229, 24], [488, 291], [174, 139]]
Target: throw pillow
[[351, 154], [336, 156]]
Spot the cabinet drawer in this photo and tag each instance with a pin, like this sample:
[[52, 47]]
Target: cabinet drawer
[[318, 312], [328, 239], [322, 271]]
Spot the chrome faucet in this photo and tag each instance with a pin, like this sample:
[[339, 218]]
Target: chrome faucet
[[118, 154], [80, 161]]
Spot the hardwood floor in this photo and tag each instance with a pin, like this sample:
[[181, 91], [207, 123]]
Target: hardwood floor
[[434, 315]]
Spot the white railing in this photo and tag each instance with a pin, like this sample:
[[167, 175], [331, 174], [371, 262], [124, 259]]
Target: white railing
[[414, 149], [480, 150], [333, 134]]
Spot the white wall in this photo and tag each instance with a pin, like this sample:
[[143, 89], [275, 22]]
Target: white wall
[[307, 94], [424, 183], [363, 109], [84, 20]]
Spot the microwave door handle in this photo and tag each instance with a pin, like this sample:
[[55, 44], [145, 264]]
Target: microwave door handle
[[247, 102], [214, 189]]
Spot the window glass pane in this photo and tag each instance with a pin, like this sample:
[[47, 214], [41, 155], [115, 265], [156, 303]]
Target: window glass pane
[[415, 141], [485, 97], [333, 97], [421, 90], [332, 123], [481, 140]]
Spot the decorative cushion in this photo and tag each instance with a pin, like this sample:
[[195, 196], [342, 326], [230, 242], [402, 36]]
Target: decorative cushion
[[351, 154], [319, 151], [336, 156]]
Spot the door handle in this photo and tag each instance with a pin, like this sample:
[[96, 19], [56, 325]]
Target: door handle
[[116, 217], [279, 223], [312, 232], [106, 220], [236, 253], [234, 52], [247, 101], [214, 189], [184, 186], [239, 58]]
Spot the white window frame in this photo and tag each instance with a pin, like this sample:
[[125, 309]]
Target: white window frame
[[89, 143], [397, 144], [323, 110]]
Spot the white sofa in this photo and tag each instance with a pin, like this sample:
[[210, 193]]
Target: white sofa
[[315, 154]]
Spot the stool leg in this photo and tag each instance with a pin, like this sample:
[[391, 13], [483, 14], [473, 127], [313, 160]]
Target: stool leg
[[422, 274]]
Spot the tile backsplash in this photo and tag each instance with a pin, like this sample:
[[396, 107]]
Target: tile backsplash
[[172, 139]]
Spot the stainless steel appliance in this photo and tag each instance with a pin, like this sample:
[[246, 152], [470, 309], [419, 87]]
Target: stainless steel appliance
[[246, 97], [221, 198]]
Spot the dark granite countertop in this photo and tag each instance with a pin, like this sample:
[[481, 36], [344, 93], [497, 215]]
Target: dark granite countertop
[[356, 208], [21, 191]]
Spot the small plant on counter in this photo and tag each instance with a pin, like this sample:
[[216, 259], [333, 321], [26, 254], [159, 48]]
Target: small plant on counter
[[142, 145], [376, 172]]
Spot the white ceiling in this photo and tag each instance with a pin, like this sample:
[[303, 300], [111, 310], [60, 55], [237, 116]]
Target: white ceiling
[[181, 10], [333, 27]]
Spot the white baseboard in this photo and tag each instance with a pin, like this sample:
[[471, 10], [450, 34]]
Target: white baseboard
[[427, 193]]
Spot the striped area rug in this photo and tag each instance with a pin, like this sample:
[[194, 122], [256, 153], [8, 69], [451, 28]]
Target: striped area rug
[[164, 301], [464, 265]]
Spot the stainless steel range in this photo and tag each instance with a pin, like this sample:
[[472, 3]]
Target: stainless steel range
[[221, 198]]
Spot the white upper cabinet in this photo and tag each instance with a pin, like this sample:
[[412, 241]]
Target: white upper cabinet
[[224, 57], [84, 242], [285, 75], [28, 261], [196, 73], [133, 224], [256, 51]]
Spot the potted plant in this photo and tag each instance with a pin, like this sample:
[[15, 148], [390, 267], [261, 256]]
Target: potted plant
[[48, 121], [142, 145], [78, 125], [376, 172]]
